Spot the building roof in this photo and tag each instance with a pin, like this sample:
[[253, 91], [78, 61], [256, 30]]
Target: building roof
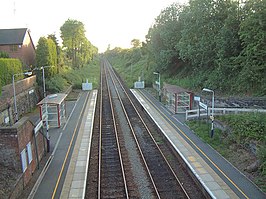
[[12, 36]]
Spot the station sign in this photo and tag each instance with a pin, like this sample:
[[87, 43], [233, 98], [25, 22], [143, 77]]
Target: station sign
[[203, 105], [38, 127], [196, 98]]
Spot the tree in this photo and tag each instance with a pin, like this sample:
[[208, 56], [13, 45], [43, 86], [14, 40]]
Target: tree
[[58, 51], [46, 55], [135, 43], [163, 37], [77, 47], [253, 36]]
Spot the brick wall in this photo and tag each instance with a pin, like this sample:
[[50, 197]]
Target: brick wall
[[9, 149], [13, 141], [27, 98]]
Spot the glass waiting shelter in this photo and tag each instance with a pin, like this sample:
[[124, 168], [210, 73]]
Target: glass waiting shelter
[[54, 107], [177, 99]]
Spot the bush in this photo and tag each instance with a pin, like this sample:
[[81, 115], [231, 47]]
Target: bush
[[56, 84], [8, 67], [4, 54], [74, 77], [247, 127]]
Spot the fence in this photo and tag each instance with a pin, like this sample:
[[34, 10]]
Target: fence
[[192, 114]]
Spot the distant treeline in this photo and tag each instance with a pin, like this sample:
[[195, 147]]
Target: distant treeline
[[220, 44]]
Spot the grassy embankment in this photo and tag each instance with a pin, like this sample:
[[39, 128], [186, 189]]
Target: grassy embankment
[[75, 77], [245, 133]]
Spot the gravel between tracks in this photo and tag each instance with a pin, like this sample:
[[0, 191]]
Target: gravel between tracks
[[139, 173]]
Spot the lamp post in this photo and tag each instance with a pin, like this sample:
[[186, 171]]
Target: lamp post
[[46, 108], [14, 92], [159, 84], [212, 116]]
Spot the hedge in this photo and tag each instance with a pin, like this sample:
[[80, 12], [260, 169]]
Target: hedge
[[8, 67]]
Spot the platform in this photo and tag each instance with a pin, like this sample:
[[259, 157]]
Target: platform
[[76, 177], [212, 183]]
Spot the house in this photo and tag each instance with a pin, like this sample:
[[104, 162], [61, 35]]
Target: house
[[18, 44]]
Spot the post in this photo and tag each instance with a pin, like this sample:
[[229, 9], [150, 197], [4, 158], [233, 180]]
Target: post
[[212, 118], [15, 99], [46, 110], [14, 92], [212, 114], [159, 85]]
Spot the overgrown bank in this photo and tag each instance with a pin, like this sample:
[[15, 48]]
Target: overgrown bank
[[242, 142], [75, 77]]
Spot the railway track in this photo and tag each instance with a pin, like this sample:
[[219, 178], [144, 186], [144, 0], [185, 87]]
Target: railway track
[[124, 142]]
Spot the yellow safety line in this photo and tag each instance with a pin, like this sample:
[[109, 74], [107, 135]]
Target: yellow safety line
[[63, 166], [197, 147]]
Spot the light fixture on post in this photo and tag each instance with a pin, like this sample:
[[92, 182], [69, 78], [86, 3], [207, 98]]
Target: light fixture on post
[[212, 115], [46, 107], [14, 92], [159, 84]]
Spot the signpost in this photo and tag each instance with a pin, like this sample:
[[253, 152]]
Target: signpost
[[203, 105]]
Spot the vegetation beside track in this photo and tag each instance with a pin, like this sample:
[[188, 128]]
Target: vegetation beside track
[[242, 142], [75, 77]]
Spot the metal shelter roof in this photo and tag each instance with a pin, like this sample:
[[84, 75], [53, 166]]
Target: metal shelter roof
[[174, 89], [53, 99]]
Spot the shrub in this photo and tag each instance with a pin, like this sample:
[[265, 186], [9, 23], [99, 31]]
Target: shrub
[[8, 67], [56, 84], [4, 54]]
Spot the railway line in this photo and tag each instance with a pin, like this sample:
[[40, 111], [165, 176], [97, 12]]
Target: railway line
[[127, 146], [131, 159]]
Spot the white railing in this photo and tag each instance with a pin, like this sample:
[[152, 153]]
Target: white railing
[[191, 114]]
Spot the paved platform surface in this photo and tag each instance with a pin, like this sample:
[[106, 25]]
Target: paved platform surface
[[49, 183], [75, 181], [218, 176]]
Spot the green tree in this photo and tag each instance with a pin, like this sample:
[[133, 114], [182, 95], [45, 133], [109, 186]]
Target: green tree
[[46, 55], [135, 43], [77, 47], [163, 37], [253, 36], [58, 51], [199, 30]]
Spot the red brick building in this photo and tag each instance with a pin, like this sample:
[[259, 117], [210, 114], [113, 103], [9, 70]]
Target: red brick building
[[22, 146], [18, 44]]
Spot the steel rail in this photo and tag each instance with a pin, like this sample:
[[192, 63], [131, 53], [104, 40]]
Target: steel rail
[[146, 127], [100, 141], [136, 140], [116, 136]]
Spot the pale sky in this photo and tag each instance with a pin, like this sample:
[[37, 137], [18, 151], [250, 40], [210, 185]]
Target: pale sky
[[114, 22]]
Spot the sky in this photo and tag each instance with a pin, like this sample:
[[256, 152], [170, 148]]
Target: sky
[[114, 22]]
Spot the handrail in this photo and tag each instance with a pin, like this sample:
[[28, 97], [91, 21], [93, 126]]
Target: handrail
[[190, 114]]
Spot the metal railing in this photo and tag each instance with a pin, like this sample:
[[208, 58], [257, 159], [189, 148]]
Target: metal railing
[[192, 114]]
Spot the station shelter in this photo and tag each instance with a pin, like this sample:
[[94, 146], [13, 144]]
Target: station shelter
[[54, 107], [177, 99]]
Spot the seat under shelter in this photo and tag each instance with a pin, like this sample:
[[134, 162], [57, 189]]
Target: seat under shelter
[[177, 99], [54, 107]]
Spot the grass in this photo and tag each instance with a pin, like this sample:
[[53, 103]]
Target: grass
[[203, 129], [230, 149], [75, 77]]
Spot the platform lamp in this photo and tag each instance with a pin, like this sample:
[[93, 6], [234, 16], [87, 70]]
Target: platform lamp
[[212, 115], [14, 91], [46, 108], [159, 84]]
